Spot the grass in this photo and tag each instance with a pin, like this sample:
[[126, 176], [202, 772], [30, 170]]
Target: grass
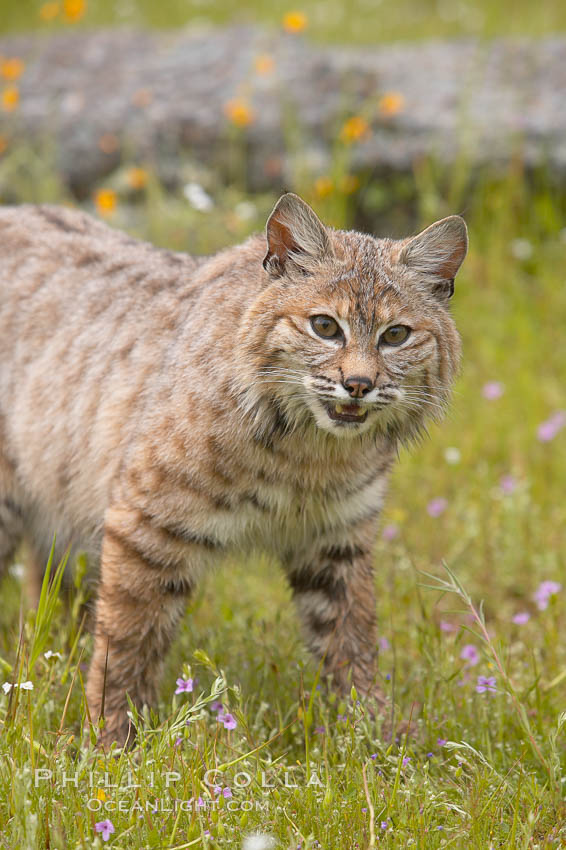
[[482, 770], [360, 21]]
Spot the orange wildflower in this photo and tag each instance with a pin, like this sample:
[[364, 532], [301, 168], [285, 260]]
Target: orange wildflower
[[264, 64], [48, 11], [295, 22], [108, 143], [391, 103], [10, 98], [11, 69], [74, 9], [323, 186], [354, 129], [349, 184], [105, 201], [142, 97], [239, 112], [137, 178]]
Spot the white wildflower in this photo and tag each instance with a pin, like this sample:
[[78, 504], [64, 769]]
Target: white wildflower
[[197, 197], [17, 570], [49, 654], [7, 686], [258, 841], [452, 455], [521, 249]]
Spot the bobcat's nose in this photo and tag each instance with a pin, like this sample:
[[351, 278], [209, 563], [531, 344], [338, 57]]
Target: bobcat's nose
[[358, 386]]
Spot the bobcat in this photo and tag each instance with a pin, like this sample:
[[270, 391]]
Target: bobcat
[[162, 411]]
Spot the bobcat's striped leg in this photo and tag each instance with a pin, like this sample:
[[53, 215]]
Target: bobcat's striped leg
[[141, 598], [11, 532], [334, 592]]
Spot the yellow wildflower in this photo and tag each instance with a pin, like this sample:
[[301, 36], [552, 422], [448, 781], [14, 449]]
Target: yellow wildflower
[[391, 103], [323, 186], [137, 178], [74, 9], [105, 200], [295, 21], [264, 64], [48, 11], [239, 112], [10, 98], [11, 69], [101, 794], [349, 184], [354, 129]]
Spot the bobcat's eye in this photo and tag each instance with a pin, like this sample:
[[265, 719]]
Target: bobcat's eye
[[326, 327], [396, 334]]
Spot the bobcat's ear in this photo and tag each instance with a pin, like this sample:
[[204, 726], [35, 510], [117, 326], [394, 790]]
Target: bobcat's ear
[[295, 235], [438, 253]]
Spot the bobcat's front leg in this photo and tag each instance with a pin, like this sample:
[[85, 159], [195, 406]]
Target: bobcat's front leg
[[142, 595], [333, 587]]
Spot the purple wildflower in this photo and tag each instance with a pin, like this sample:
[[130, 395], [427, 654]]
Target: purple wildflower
[[445, 626], [226, 792], [436, 507], [406, 761], [390, 531], [545, 590], [493, 390], [548, 430], [184, 686], [441, 742], [227, 720], [373, 756], [106, 827], [486, 684], [430, 755], [508, 484], [521, 618], [216, 705], [364, 809], [384, 824], [200, 803], [178, 741], [470, 654], [384, 644], [320, 730]]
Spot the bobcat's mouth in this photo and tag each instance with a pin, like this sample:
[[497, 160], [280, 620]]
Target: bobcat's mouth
[[346, 412]]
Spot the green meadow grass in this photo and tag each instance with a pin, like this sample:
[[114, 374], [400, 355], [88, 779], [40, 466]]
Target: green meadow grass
[[359, 21], [478, 770], [302, 766]]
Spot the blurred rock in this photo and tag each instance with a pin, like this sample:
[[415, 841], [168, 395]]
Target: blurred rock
[[217, 95]]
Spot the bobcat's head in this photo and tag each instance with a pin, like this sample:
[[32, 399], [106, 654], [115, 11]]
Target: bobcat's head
[[353, 332]]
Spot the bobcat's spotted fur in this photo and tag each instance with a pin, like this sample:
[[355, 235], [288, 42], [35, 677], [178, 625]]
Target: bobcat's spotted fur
[[162, 411]]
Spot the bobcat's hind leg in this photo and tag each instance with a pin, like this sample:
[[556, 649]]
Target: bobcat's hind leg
[[11, 532]]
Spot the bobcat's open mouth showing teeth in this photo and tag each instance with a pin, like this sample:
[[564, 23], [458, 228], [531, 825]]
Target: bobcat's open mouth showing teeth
[[347, 412]]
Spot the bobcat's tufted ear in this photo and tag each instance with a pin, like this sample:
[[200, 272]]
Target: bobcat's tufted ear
[[295, 235], [438, 253]]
